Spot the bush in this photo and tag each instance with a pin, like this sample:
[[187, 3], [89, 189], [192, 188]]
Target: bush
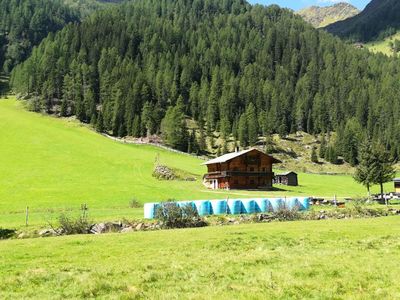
[[134, 203], [68, 225], [173, 216], [285, 213], [6, 233]]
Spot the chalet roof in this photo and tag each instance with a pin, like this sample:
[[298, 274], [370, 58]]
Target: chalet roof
[[227, 157], [286, 174]]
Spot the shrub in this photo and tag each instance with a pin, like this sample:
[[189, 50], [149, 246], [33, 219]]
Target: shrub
[[134, 203], [69, 225], [285, 213], [6, 233], [172, 215]]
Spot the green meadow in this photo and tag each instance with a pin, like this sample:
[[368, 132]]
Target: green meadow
[[383, 46], [342, 259], [54, 165]]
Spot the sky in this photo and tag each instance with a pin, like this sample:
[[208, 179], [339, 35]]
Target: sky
[[298, 4]]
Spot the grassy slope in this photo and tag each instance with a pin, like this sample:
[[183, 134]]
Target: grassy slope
[[383, 46], [347, 259], [51, 165]]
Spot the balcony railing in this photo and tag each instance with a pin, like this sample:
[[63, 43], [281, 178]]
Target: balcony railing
[[239, 173]]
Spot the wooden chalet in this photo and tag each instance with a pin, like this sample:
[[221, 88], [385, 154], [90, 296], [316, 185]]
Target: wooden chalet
[[289, 178], [247, 169]]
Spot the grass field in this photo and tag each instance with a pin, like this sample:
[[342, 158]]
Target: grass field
[[346, 259], [383, 46], [54, 165]]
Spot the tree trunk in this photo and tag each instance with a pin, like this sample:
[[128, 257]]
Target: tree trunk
[[386, 202]]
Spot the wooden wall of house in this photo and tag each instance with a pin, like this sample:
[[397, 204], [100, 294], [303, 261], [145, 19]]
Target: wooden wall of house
[[252, 161]]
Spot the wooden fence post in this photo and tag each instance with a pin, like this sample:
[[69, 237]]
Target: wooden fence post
[[27, 216]]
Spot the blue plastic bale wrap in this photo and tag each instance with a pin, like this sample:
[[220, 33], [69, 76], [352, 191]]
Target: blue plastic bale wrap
[[291, 203], [150, 210], [235, 206], [304, 203], [276, 204], [248, 206], [219, 207], [185, 203], [203, 207], [262, 205]]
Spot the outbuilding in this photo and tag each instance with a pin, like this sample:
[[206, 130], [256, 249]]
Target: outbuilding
[[289, 178], [397, 185]]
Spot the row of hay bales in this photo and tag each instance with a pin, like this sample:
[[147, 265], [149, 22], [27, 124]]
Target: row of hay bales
[[236, 206]]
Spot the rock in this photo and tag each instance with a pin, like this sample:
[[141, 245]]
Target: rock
[[139, 227], [98, 228], [47, 232], [164, 173], [23, 235], [127, 230]]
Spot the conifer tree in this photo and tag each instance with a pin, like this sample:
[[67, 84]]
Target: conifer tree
[[243, 131], [252, 124], [322, 147], [314, 157], [382, 167], [364, 171]]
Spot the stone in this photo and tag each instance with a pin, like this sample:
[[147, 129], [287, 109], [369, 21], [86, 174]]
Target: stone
[[47, 232], [127, 230], [139, 226], [23, 235], [98, 228]]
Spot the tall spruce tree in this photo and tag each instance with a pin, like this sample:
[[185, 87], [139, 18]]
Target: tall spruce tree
[[382, 167], [364, 171]]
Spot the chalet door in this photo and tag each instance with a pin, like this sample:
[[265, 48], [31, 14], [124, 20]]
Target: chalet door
[[215, 184]]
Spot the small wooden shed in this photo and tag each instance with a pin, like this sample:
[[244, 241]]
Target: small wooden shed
[[396, 185], [289, 178]]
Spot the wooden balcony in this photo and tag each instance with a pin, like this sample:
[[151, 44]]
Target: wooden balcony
[[223, 174]]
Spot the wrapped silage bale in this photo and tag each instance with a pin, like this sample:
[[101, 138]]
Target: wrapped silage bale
[[276, 204], [150, 210], [291, 203], [185, 203], [262, 205], [248, 206], [219, 207], [234, 206], [203, 207], [304, 203]]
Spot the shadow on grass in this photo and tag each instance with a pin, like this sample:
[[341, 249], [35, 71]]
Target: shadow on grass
[[4, 86]]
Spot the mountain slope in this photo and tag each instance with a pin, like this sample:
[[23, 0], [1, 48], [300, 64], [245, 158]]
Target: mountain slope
[[24, 23], [379, 19], [55, 164], [237, 70], [323, 16]]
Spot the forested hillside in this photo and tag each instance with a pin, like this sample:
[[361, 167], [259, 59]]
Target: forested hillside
[[380, 19], [24, 24], [241, 70]]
